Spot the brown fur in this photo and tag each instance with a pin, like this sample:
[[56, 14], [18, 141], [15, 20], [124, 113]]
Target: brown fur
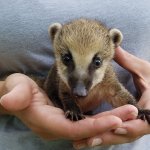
[[83, 39]]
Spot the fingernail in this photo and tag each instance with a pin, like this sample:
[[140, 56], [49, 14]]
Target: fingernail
[[120, 131], [96, 142], [79, 146], [134, 114]]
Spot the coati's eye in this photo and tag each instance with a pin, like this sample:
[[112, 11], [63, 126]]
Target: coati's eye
[[97, 62], [67, 58]]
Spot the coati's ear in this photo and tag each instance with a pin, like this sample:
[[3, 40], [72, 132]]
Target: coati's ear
[[54, 29], [116, 36]]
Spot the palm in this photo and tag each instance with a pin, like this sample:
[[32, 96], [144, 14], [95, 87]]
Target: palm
[[35, 108]]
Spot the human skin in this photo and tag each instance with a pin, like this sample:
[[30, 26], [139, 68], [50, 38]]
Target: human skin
[[128, 131]]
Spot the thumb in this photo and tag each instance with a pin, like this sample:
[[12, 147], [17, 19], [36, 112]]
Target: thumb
[[128, 61], [17, 98], [138, 67]]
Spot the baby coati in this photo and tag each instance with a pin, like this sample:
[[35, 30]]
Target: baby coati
[[82, 74]]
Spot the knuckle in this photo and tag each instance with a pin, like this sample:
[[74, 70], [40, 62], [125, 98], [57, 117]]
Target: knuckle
[[115, 121]]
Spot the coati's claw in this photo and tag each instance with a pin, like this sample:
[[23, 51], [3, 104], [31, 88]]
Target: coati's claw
[[144, 114], [74, 116]]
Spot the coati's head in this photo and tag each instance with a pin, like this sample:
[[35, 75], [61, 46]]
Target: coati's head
[[83, 50]]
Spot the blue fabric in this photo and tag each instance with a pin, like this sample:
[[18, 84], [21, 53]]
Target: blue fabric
[[25, 47]]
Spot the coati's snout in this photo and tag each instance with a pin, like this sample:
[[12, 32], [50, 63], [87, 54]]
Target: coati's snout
[[77, 74], [79, 84], [78, 88]]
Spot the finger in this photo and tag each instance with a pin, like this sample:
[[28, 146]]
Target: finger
[[107, 138], [129, 61], [130, 130], [18, 98], [90, 127], [126, 112], [57, 124], [134, 128]]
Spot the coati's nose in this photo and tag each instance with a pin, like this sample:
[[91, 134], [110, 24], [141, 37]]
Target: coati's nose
[[80, 90]]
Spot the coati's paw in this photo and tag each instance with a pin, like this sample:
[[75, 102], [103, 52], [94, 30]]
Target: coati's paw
[[144, 114], [74, 115]]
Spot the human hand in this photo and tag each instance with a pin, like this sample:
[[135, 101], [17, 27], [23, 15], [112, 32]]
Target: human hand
[[22, 97], [133, 128]]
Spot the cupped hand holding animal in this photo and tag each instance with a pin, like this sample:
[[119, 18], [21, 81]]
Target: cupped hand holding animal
[[22, 97], [131, 128]]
